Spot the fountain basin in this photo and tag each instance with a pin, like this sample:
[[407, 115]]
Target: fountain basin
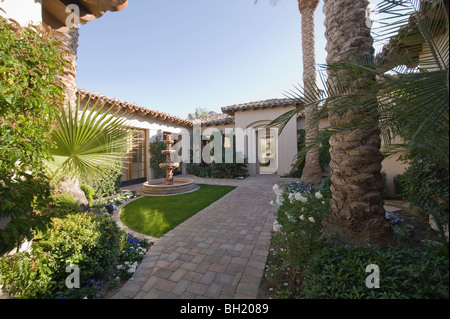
[[179, 186]]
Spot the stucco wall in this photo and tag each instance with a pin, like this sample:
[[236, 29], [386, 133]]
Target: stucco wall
[[287, 141], [23, 11]]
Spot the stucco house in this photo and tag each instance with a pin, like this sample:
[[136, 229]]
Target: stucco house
[[249, 118], [267, 153]]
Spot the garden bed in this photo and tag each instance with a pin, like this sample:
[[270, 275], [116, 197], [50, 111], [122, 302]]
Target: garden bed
[[278, 283]]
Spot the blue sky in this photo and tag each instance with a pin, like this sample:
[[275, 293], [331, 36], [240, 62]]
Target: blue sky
[[176, 55]]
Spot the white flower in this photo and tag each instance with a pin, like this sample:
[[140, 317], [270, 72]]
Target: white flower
[[276, 188], [302, 217], [300, 197], [271, 202], [323, 202], [290, 217], [311, 219], [280, 201], [318, 195], [119, 266], [291, 198], [277, 226]]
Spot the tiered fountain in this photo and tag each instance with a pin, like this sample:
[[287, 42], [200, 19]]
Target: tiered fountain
[[169, 185]]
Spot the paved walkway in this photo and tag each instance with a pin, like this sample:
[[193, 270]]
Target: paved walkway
[[220, 252]]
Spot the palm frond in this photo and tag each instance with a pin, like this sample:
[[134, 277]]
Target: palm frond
[[88, 142], [411, 100]]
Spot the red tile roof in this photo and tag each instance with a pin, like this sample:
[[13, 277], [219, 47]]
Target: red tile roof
[[132, 107], [272, 103]]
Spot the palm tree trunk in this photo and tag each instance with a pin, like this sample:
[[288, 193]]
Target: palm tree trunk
[[312, 173], [69, 38], [357, 213]]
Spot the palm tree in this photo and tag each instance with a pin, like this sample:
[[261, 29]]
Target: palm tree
[[88, 143], [311, 173], [356, 207], [410, 101]]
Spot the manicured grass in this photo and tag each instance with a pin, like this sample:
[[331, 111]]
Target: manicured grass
[[156, 215]]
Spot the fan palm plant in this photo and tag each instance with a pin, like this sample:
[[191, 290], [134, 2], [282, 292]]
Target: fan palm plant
[[88, 142], [401, 92]]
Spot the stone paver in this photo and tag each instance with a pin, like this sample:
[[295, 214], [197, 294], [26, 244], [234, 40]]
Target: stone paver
[[220, 252]]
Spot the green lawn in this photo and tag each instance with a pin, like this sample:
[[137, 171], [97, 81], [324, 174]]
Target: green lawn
[[156, 215]]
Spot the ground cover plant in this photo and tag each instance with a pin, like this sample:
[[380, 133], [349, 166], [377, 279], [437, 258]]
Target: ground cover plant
[[303, 263], [104, 254], [156, 215]]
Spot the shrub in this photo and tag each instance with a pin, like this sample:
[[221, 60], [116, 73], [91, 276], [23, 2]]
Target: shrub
[[298, 228], [399, 188], [28, 276], [324, 155], [385, 189], [228, 170], [200, 170], [426, 183], [88, 240], [133, 251], [30, 92], [156, 157], [340, 272], [108, 184], [66, 204], [89, 193]]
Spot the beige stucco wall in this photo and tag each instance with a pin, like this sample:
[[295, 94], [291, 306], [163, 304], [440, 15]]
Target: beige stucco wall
[[23, 11], [287, 141], [390, 165]]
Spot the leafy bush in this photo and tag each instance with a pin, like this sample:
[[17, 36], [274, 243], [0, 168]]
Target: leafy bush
[[399, 188], [156, 157], [426, 183], [89, 193], [28, 276], [222, 169], [66, 204], [30, 92], [94, 244], [108, 184], [324, 154], [298, 227], [228, 170], [133, 251], [385, 189], [340, 272], [200, 170]]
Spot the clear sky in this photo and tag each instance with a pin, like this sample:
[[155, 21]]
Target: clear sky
[[176, 55]]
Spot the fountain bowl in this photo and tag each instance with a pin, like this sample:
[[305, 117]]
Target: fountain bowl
[[179, 186]]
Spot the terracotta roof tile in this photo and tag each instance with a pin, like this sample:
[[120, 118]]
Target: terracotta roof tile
[[272, 103], [133, 107], [215, 119]]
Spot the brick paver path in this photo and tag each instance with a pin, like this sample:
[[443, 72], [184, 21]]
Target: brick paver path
[[220, 252]]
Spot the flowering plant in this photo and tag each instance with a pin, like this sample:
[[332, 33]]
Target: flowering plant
[[399, 226], [133, 251], [298, 227], [114, 199]]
